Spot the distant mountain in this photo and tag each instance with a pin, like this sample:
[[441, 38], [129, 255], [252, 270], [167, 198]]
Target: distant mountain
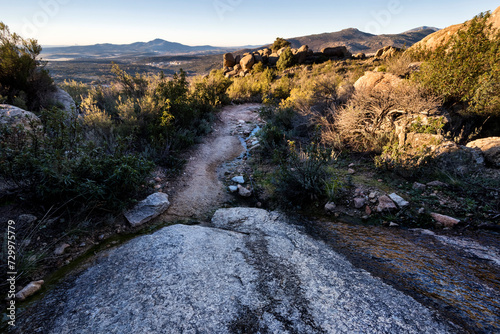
[[423, 28], [156, 47], [358, 41]]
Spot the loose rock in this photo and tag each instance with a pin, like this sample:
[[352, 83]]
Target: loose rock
[[148, 209], [385, 204], [244, 192], [238, 179], [446, 221], [61, 249], [29, 290], [399, 200], [330, 208]]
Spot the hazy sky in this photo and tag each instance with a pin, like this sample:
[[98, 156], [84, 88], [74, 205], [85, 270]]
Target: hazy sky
[[222, 22]]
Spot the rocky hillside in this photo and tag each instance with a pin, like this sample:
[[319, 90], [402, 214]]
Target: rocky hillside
[[433, 40], [357, 41]]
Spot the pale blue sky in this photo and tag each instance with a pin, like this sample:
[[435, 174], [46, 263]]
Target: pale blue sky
[[222, 22]]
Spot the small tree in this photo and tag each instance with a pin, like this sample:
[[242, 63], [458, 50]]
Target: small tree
[[280, 43], [286, 60], [23, 79]]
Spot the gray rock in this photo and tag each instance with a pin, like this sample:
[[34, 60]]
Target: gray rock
[[400, 201], [437, 184], [26, 219], [61, 97], [490, 147], [419, 186], [359, 202], [233, 189], [385, 204], [330, 208], [253, 273], [61, 249], [239, 179], [148, 209], [244, 192], [13, 116]]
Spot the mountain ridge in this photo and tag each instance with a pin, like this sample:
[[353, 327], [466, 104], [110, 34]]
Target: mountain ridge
[[354, 39]]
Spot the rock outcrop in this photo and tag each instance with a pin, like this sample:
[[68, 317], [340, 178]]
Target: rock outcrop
[[13, 116], [242, 65], [443, 36], [253, 272], [490, 147]]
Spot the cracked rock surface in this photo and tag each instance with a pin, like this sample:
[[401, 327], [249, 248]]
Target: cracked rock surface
[[250, 272]]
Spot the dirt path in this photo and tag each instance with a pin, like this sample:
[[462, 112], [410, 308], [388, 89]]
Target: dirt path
[[199, 190]]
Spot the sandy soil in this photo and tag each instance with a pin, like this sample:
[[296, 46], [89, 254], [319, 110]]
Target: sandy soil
[[199, 190]]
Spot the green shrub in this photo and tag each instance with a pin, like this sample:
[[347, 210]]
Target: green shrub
[[23, 80], [286, 60], [303, 177], [56, 165]]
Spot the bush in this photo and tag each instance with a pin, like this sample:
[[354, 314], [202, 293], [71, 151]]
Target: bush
[[467, 68], [23, 80], [303, 176], [286, 60], [368, 121], [55, 165]]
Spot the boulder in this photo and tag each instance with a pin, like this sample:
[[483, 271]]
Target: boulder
[[229, 60], [359, 202], [359, 56], [387, 52], [273, 59], [330, 208], [13, 116], [247, 62], [377, 81], [490, 147], [385, 203], [302, 54], [148, 209], [267, 52], [280, 51], [338, 51], [62, 99], [29, 290], [237, 60], [440, 37], [456, 158]]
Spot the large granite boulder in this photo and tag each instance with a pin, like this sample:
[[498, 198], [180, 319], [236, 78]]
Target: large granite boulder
[[63, 100], [12, 116], [252, 272], [247, 62], [337, 51], [229, 60]]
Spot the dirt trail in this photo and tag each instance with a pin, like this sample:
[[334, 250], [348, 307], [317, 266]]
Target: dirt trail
[[199, 190]]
